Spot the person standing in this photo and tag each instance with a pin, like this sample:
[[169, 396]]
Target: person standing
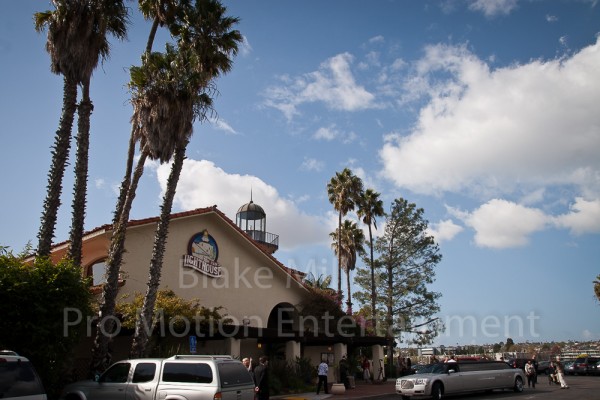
[[322, 372], [261, 378], [402, 366], [530, 373], [344, 372], [366, 367], [535, 367], [248, 364], [560, 371]]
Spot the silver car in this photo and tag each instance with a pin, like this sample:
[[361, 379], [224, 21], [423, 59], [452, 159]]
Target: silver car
[[18, 378], [182, 377]]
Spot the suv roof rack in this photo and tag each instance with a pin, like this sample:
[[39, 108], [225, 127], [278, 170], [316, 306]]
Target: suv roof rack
[[199, 357]]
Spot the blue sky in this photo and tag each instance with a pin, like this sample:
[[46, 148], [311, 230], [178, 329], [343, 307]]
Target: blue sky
[[484, 113]]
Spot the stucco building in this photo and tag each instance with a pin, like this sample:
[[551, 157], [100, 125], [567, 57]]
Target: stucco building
[[223, 264]]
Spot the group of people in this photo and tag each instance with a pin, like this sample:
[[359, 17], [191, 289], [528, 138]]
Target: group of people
[[344, 370], [260, 374], [558, 376], [404, 366]]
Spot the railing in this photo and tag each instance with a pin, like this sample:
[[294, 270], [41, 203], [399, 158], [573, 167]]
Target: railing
[[264, 237]]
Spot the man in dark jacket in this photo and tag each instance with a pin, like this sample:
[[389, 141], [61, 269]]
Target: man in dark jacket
[[261, 378]]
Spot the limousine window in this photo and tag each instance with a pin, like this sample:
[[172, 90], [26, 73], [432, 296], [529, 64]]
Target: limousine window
[[483, 366]]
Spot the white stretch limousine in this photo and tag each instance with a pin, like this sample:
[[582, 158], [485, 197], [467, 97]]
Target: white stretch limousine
[[437, 380]]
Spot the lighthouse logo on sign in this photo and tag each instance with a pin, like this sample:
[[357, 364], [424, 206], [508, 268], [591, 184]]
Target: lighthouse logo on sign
[[202, 254]]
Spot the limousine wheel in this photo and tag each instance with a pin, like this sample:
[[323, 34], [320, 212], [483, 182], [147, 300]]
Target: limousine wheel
[[518, 384], [437, 391]]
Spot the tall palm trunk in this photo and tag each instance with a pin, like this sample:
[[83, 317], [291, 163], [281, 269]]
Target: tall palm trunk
[[113, 265], [390, 307], [373, 293], [339, 246], [84, 111], [60, 154], [117, 241], [140, 340], [349, 302]]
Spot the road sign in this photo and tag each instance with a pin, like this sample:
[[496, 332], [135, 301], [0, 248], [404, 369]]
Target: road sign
[[192, 344]]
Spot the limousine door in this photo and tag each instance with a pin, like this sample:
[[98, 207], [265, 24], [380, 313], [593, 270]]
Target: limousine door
[[453, 383]]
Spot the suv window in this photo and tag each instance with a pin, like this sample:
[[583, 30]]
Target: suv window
[[118, 373], [187, 373], [233, 374], [18, 379], [144, 372]]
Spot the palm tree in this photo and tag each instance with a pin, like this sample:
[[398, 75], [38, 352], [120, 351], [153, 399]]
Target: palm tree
[[206, 46], [347, 242], [162, 12], [342, 191], [62, 43], [107, 16], [76, 41], [321, 282], [369, 208]]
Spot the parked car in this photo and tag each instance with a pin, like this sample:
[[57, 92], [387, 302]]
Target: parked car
[[583, 365], [544, 368], [595, 370], [568, 367], [188, 377], [460, 377], [18, 378], [518, 362]]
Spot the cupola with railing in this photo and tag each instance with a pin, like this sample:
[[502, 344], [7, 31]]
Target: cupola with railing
[[252, 219]]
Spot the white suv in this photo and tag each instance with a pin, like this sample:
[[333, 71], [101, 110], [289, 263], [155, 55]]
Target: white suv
[[182, 377], [18, 379]]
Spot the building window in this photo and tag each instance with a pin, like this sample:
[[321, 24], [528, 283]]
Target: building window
[[98, 272]]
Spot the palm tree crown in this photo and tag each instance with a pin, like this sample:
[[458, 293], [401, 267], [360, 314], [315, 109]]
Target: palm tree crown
[[342, 192], [348, 244]]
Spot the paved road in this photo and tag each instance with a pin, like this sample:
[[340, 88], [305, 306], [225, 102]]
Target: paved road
[[581, 388]]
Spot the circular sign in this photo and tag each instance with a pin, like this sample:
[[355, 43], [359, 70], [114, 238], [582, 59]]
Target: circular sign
[[202, 245]]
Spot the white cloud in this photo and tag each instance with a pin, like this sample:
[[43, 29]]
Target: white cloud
[[311, 164], [326, 133], [587, 334], [551, 18], [444, 231], [583, 217], [491, 8], [493, 131], [222, 126], [333, 84], [502, 224], [331, 133], [245, 48], [377, 39], [203, 184], [100, 183], [533, 197]]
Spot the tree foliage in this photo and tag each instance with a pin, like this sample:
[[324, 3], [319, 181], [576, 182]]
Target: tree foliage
[[405, 266], [40, 304], [597, 287], [347, 244], [175, 311], [321, 306]]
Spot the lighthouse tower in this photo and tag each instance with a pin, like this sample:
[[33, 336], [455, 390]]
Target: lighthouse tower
[[252, 219]]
